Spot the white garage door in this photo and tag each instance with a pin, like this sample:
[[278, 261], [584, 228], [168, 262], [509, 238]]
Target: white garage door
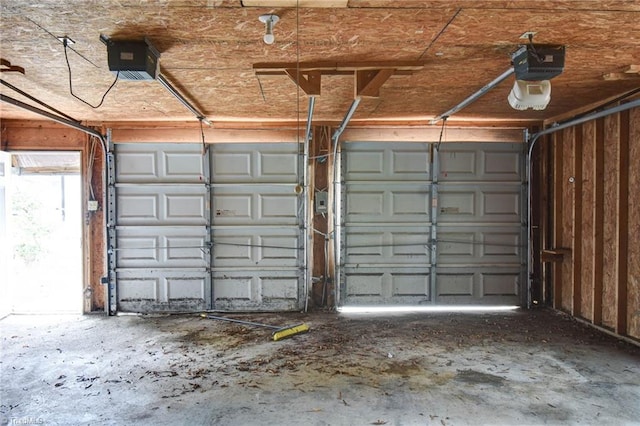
[[258, 256], [480, 230], [219, 232], [393, 209], [386, 249], [161, 228]]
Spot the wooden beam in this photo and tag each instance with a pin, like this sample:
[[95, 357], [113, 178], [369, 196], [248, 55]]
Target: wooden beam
[[328, 67], [43, 138], [432, 134], [557, 216], [576, 306], [308, 81], [295, 3], [368, 82], [546, 217], [617, 76], [556, 255], [623, 225], [585, 108], [598, 222], [5, 66], [320, 145], [210, 135]]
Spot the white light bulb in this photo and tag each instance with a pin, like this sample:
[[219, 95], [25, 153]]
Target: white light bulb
[[269, 38]]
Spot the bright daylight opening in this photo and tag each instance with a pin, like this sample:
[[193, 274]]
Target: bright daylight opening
[[44, 233], [416, 309]]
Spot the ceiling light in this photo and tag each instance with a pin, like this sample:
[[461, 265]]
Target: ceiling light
[[269, 21], [530, 94]]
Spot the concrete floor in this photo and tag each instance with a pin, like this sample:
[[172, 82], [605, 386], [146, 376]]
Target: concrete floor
[[536, 367]]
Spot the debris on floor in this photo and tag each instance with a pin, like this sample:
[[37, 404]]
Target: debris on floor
[[525, 367]]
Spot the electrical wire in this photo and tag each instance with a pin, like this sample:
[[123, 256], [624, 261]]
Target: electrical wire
[[66, 57], [536, 55]]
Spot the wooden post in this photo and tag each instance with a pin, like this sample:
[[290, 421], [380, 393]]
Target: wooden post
[[598, 222], [320, 150], [576, 305], [622, 225], [557, 217]]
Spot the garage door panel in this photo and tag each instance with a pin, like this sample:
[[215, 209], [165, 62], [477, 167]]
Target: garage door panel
[[482, 162], [479, 285], [255, 206], [387, 286], [167, 290], [153, 247], [182, 238], [387, 162], [166, 205], [256, 290], [388, 228], [480, 203], [387, 203], [254, 163], [158, 163], [479, 245], [241, 247], [390, 246], [257, 257]]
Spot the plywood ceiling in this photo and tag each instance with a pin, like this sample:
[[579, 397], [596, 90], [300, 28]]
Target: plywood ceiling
[[209, 47]]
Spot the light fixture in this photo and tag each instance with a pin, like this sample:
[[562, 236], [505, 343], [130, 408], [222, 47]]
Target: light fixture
[[530, 94], [269, 21]]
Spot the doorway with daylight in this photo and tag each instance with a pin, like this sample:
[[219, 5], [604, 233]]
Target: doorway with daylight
[[43, 250]]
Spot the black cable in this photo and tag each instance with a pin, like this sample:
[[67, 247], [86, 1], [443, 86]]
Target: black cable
[[536, 55], [66, 57]]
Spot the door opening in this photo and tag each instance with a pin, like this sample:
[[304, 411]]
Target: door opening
[[44, 232]]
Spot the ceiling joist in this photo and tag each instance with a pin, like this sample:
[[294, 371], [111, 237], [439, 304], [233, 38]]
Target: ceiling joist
[[630, 72], [368, 76]]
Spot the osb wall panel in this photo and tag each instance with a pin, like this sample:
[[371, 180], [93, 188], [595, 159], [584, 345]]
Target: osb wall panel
[[568, 189], [588, 228], [633, 273], [611, 172]]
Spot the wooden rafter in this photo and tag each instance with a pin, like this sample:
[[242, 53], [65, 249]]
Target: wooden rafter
[[368, 76], [309, 81], [630, 72], [5, 66], [368, 82]]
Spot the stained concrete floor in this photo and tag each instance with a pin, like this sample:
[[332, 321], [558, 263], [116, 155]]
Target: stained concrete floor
[[536, 367]]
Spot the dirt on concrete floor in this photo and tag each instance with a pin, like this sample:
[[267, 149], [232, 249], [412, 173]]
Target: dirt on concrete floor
[[524, 367]]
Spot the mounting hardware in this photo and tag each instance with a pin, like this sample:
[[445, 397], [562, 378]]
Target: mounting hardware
[[66, 41], [92, 205], [528, 35]]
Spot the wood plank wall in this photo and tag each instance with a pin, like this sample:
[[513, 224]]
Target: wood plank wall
[[594, 215]]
